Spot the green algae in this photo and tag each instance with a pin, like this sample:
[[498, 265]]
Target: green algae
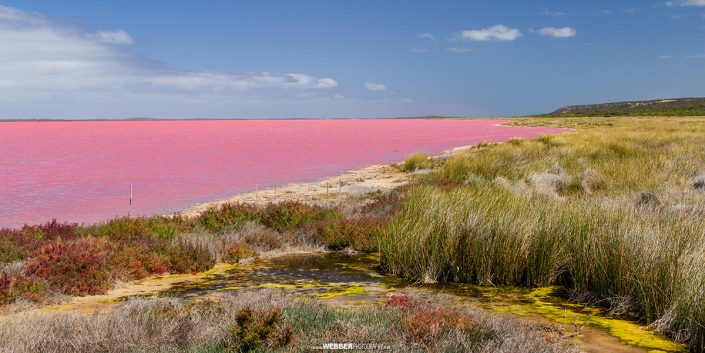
[[539, 302], [111, 300], [353, 279], [300, 285], [343, 291]]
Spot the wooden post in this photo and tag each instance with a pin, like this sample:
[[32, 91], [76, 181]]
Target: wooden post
[[130, 193]]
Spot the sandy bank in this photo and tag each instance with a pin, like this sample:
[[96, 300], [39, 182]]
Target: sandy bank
[[327, 191]]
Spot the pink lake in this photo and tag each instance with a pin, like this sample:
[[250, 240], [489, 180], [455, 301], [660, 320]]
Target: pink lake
[[82, 171]]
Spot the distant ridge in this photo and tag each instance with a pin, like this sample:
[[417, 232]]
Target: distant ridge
[[657, 107]]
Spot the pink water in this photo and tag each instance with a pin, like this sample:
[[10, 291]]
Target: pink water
[[82, 171]]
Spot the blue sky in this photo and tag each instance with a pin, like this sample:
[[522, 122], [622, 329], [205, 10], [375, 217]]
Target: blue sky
[[279, 59]]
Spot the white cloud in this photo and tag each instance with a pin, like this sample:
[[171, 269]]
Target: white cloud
[[459, 50], [696, 56], [664, 57], [375, 87], [219, 81], [326, 83], [685, 3], [563, 32], [420, 50], [51, 61], [497, 32], [428, 36], [117, 37]]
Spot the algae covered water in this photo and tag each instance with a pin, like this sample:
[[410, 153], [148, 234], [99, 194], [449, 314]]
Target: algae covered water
[[352, 280]]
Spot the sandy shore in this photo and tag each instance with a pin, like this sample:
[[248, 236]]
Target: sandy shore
[[327, 191]]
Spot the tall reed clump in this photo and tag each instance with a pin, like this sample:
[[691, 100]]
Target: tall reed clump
[[571, 210], [466, 236], [418, 160]]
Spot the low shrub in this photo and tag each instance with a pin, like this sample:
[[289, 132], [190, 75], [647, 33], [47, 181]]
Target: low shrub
[[360, 234], [11, 249], [403, 302], [20, 286], [17, 244], [229, 215], [5, 284], [52, 230], [262, 238], [253, 321], [184, 259], [425, 325], [418, 160], [292, 216], [384, 205], [126, 228], [88, 266], [257, 330], [237, 252], [76, 267]]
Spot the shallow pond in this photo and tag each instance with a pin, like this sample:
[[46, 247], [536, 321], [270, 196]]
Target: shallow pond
[[351, 280]]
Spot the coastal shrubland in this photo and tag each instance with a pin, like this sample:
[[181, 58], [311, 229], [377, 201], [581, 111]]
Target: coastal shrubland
[[42, 261], [267, 320], [612, 211]]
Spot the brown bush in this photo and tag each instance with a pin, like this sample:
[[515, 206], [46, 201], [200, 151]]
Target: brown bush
[[237, 252]]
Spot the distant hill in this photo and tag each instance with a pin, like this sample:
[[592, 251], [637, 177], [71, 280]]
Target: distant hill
[[659, 107]]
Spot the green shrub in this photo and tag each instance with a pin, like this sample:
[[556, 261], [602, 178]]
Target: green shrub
[[228, 215], [292, 216], [418, 160], [259, 330], [19, 286], [360, 234], [133, 228]]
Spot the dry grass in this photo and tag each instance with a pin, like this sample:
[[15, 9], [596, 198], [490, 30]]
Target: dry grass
[[615, 209], [171, 325], [252, 233], [418, 160], [139, 325]]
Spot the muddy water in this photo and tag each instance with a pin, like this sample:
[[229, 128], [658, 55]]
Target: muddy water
[[344, 279], [351, 280]]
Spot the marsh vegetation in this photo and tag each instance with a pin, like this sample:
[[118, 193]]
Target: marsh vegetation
[[611, 213]]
